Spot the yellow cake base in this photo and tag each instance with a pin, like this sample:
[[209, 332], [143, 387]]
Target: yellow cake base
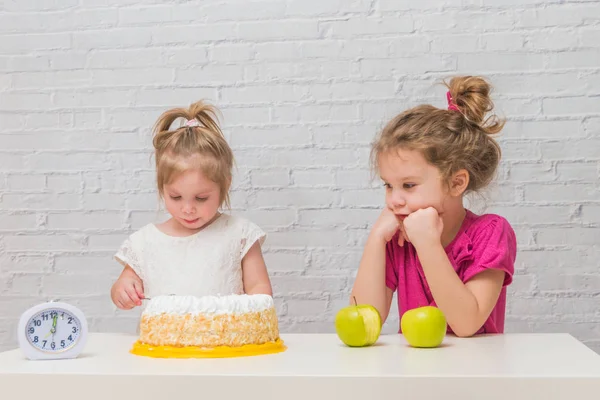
[[143, 349]]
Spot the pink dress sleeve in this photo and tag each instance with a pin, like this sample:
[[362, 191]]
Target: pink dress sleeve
[[494, 246]]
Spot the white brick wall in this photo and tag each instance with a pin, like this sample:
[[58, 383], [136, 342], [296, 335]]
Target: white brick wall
[[303, 86]]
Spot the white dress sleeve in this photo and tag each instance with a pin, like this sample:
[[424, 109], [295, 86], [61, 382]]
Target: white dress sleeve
[[250, 234], [129, 255]]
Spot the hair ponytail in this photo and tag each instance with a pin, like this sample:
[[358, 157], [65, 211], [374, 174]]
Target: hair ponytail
[[197, 143]]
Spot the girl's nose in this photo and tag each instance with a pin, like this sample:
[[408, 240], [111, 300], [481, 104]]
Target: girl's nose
[[397, 200], [188, 208]]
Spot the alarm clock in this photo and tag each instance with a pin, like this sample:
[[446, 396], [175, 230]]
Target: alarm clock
[[52, 331]]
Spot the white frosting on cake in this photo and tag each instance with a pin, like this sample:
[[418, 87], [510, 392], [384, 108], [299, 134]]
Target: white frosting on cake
[[231, 304]]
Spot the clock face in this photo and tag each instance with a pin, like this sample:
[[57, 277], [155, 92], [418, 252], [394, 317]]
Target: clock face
[[53, 330]]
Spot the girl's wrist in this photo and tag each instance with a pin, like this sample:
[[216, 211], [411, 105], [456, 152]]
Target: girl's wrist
[[377, 237], [427, 244]]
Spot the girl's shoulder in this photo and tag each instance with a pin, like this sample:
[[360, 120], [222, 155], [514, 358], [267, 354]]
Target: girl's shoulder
[[229, 222], [239, 232], [488, 231], [143, 233], [477, 225]]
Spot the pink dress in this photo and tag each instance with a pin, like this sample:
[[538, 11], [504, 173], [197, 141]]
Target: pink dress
[[486, 241]]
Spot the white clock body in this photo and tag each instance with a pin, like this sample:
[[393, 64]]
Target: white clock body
[[52, 330]]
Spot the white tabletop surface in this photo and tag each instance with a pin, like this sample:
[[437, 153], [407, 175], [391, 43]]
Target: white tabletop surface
[[517, 365]]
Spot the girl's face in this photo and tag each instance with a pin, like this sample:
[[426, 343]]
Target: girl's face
[[411, 183], [192, 199]]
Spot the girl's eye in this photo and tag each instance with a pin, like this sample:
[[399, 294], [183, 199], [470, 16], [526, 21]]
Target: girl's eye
[[175, 197], [387, 186], [409, 185], [201, 198]]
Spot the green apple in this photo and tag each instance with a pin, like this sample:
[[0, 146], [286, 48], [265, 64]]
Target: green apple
[[424, 326], [358, 325]]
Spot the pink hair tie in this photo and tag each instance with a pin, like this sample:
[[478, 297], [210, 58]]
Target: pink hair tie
[[451, 104], [192, 122]]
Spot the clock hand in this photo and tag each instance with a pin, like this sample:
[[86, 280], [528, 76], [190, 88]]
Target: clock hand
[[53, 329]]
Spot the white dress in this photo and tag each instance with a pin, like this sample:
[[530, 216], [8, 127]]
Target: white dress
[[206, 263]]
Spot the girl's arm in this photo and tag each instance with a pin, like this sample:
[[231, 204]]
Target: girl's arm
[[369, 286], [254, 272], [466, 305]]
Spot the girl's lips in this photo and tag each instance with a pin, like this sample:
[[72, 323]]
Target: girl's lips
[[191, 221]]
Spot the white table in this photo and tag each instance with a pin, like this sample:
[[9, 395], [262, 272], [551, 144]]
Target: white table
[[318, 366]]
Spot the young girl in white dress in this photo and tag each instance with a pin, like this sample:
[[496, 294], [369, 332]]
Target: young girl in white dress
[[199, 251]]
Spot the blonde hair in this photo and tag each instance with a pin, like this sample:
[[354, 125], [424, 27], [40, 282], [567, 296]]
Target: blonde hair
[[197, 144], [452, 139]]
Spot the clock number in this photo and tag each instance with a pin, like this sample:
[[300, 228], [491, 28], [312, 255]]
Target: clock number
[[70, 338], [35, 339], [37, 322], [45, 317], [62, 343], [31, 330], [70, 320], [44, 343], [53, 345], [74, 329]]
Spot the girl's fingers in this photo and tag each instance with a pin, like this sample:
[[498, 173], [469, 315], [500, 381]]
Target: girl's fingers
[[139, 289], [133, 295], [401, 235], [404, 234], [126, 301], [121, 305]]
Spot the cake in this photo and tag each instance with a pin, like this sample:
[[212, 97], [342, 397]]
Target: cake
[[209, 326]]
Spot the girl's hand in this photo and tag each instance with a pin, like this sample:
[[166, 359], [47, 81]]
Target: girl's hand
[[424, 227], [128, 290], [254, 272], [387, 225]]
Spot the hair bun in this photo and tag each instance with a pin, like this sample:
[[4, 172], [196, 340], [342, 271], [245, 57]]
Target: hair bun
[[471, 95]]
